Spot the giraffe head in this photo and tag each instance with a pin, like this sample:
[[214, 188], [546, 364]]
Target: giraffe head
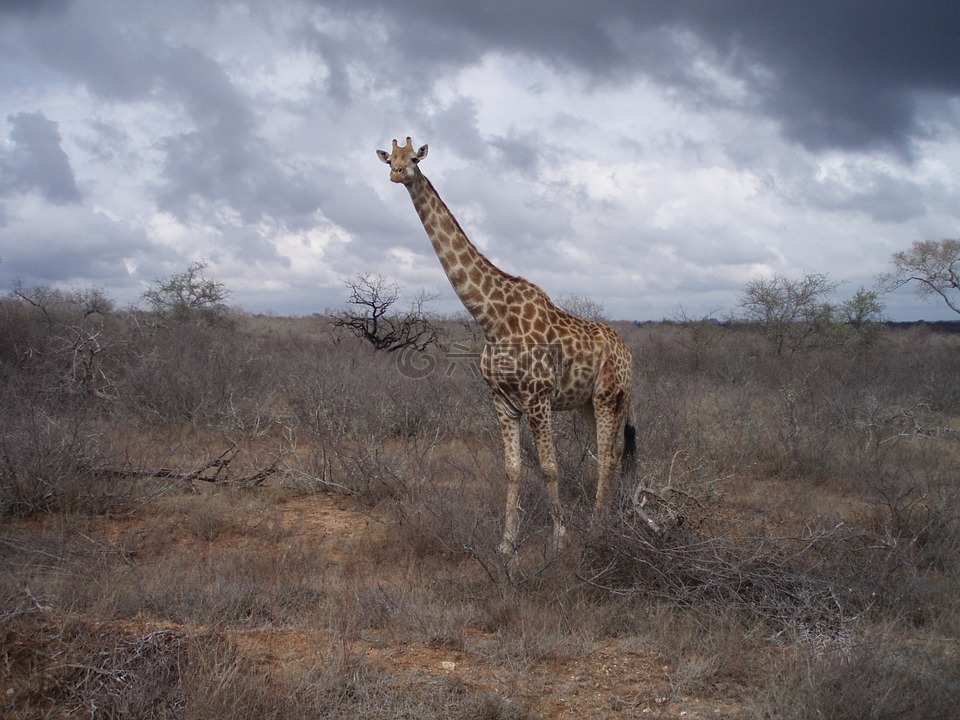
[[403, 161]]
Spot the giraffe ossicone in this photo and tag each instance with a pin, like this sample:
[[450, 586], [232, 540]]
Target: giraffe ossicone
[[536, 357]]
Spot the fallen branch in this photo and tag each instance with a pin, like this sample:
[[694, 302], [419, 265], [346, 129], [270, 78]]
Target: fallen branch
[[216, 471]]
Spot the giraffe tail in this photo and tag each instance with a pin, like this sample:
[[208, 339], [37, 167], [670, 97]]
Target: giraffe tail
[[629, 457]]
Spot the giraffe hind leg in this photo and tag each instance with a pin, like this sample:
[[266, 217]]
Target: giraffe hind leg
[[611, 409], [509, 421], [610, 443], [541, 424]]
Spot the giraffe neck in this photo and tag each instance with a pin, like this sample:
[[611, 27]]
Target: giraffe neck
[[479, 283]]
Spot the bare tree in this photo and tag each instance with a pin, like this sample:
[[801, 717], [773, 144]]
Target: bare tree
[[76, 341], [53, 303], [188, 294], [789, 311], [582, 307], [371, 315], [933, 265]]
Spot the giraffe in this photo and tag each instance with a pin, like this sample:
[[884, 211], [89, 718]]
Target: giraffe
[[536, 358]]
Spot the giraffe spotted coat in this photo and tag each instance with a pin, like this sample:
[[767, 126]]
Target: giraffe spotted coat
[[536, 358]]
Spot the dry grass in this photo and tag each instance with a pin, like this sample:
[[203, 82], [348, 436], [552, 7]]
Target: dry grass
[[80, 670], [789, 549], [883, 674]]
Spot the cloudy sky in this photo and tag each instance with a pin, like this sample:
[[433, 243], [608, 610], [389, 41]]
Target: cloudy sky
[[653, 156]]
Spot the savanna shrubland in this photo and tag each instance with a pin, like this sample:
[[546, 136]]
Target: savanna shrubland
[[807, 499]]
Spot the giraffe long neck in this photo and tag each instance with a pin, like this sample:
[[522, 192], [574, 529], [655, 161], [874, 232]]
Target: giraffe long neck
[[477, 281]]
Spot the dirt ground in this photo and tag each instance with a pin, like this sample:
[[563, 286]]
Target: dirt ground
[[609, 678], [612, 679]]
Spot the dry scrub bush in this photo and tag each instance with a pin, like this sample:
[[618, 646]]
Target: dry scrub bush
[[56, 565], [206, 375], [852, 424], [228, 686], [883, 676], [53, 457], [350, 389], [184, 567], [371, 428], [819, 413], [228, 587], [85, 670], [55, 361], [703, 648], [66, 342], [196, 567], [765, 580], [73, 387]]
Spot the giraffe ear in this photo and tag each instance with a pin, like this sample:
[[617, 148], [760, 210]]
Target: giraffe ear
[[382, 154], [421, 154]]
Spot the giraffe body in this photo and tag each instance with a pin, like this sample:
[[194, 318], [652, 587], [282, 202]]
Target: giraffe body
[[536, 357]]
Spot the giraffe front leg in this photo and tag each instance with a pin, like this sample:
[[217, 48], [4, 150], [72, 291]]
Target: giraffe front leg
[[541, 424], [510, 429], [508, 545]]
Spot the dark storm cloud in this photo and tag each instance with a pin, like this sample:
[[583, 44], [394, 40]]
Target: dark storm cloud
[[521, 151], [206, 92], [882, 197], [31, 7], [107, 140], [845, 74], [70, 242], [220, 159], [223, 159], [834, 73], [206, 168], [335, 53], [35, 161], [112, 61]]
